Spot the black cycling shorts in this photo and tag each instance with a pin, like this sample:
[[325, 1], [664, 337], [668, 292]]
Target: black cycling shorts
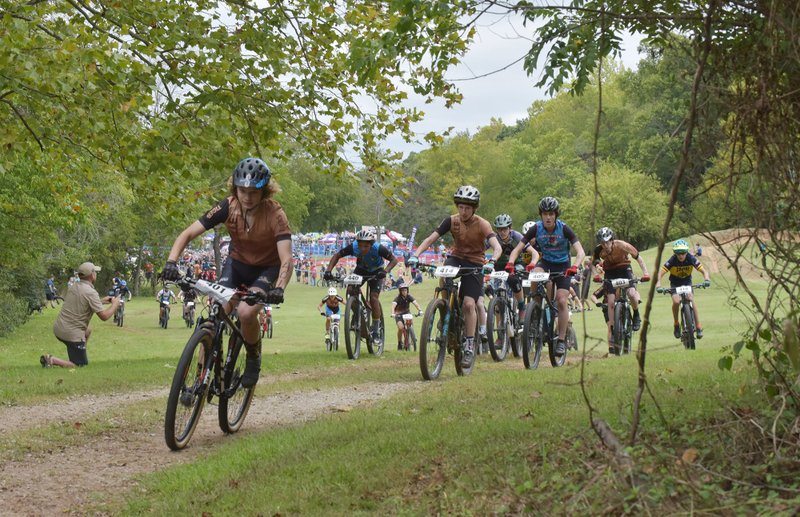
[[611, 274], [471, 283], [76, 351], [375, 284], [562, 282], [236, 274]]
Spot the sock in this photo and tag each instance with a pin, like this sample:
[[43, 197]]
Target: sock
[[521, 305], [636, 313], [482, 329]]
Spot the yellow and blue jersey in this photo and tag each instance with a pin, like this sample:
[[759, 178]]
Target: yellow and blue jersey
[[681, 272]]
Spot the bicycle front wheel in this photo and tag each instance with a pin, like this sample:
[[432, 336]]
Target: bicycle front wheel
[[687, 322], [497, 326], [352, 328], [532, 336], [433, 340], [619, 328], [335, 338], [235, 400], [187, 394], [269, 328], [412, 339], [120, 316]]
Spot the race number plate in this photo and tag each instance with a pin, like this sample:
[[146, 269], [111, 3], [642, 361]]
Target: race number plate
[[190, 304], [538, 276], [408, 317], [620, 282], [217, 292], [499, 275], [353, 279], [335, 317], [526, 283], [446, 272], [683, 289]]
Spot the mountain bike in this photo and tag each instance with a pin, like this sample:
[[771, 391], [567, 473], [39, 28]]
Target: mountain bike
[[409, 337], [119, 315], [265, 321], [686, 311], [206, 370], [188, 313], [443, 324], [540, 327], [163, 316], [502, 320], [623, 314], [358, 318], [332, 343]]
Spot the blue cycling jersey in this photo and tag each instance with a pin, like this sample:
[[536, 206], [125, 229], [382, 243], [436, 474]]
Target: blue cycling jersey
[[554, 246], [372, 260]]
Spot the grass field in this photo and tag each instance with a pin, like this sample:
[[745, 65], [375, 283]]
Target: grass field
[[503, 440]]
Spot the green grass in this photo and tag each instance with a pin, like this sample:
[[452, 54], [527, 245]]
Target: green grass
[[503, 440]]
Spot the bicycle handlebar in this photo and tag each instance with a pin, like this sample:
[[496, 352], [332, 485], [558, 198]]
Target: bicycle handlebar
[[247, 296], [671, 290]]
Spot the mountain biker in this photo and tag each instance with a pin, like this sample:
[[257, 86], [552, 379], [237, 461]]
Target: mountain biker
[[509, 239], [369, 262], [187, 296], [552, 239], [400, 306], [616, 257], [680, 267], [470, 232], [260, 251], [331, 303], [165, 296]]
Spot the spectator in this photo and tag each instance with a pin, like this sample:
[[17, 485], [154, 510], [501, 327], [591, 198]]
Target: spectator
[[698, 251], [50, 291], [72, 324]]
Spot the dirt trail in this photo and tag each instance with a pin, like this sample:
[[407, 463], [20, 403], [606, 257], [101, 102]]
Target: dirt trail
[[64, 480]]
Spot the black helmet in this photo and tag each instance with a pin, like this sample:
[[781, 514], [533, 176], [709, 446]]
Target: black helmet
[[251, 172], [605, 234], [548, 204], [468, 195]]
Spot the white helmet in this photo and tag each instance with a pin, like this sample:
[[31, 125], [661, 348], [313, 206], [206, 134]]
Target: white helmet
[[502, 221], [332, 292], [365, 235], [527, 226]]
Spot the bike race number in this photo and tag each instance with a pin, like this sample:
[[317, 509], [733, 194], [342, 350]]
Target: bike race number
[[218, 292], [353, 279], [526, 283], [683, 289], [499, 275], [538, 276], [620, 282], [408, 317], [446, 272], [335, 317]]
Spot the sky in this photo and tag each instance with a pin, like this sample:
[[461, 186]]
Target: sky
[[507, 94]]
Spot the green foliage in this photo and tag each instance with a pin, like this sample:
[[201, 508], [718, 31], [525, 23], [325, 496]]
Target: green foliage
[[15, 311]]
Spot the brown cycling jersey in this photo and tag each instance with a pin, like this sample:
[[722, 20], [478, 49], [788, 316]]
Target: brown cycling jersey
[[255, 244], [617, 258], [468, 237]]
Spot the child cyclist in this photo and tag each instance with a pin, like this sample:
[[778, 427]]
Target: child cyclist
[[400, 306], [331, 304], [680, 267]]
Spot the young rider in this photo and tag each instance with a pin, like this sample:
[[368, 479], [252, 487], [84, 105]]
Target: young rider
[[469, 233], [260, 252], [331, 303], [509, 239], [165, 296], [369, 262], [552, 239], [616, 257], [400, 306], [680, 266]]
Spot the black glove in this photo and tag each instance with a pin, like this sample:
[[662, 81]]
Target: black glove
[[170, 271], [328, 276], [380, 275], [275, 295]]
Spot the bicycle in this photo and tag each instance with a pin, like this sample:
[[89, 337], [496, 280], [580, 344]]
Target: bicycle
[[409, 337], [265, 321], [119, 315], [358, 318], [188, 313], [686, 310], [502, 321], [205, 370], [540, 324], [623, 315], [163, 316], [332, 343], [443, 325]]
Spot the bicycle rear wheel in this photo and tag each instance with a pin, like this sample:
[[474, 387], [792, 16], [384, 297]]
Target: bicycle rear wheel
[[433, 341], [352, 327], [532, 336], [376, 347], [687, 322], [550, 335], [497, 328], [120, 316], [462, 370], [235, 401], [269, 327], [187, 393]]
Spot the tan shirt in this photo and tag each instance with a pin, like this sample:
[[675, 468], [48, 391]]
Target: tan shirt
[[81, 302], [469, 238], [616, 258]]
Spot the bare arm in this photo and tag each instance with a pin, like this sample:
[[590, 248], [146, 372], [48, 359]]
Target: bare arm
[[188, 235], [334, 260], [512, 258], [426, 243], [109, 311], [578, 247], [496, 248], [285, 254], [392, 264]]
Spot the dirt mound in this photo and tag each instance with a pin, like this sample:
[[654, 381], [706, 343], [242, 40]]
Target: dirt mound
[[739, 247]]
